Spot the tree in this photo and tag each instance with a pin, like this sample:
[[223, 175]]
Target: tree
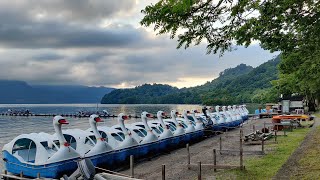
[[280, 25], [289, 26]]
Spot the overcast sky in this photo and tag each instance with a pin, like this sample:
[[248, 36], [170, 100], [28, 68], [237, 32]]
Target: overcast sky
[[100, 42]]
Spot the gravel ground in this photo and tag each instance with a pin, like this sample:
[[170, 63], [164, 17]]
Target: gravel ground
[[176, 161]]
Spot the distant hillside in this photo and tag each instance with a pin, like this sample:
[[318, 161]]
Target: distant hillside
[[234, 85], [21, 92]]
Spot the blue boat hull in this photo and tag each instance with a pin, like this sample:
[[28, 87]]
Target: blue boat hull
[[53, 170], [104, 160], [113, 159]]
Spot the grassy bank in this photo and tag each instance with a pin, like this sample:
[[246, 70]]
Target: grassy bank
[[265, 167], [309, 164]]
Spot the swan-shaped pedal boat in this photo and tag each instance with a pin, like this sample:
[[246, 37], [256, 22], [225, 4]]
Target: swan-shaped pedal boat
[[37, 153], [91, 144]]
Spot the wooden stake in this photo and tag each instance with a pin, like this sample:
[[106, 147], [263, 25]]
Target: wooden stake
[[262, 146], [5, 172], [220, 144], [163, 172], [199, 170], [132, 166], [214, 159], [241, 151], [188, 155]]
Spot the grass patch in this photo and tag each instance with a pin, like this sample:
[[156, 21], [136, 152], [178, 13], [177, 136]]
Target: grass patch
[[266, 167], [309, 164]]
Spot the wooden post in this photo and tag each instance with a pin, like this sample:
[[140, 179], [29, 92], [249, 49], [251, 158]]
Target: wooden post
[[163, 172], [131, 165], [262, 146], [21, 174], [199, 170], [220, 144], [5, 172], [254, 128], [188, 156], [241, 151], [275, 135], [214, 159], [38, 175]]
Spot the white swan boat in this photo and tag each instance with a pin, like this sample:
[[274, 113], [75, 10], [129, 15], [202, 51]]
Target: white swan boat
[[36, 153]]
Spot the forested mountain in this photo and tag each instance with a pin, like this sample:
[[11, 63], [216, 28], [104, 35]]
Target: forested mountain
[[144, 94], [21, 92], [234, 85]]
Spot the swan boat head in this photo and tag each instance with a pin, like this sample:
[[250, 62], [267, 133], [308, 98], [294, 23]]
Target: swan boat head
[[150, 137], [128, 140], [166, 127], [179, 128]]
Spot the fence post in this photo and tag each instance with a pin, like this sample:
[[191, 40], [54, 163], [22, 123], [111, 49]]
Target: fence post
[[188, 156], [131, 165], [275, 135], [262, 146], [5, 172], [214, 160], [220, 144], [241, 151], [199, 170], [163, 172]]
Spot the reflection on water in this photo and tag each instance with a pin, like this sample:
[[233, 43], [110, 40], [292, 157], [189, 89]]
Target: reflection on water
[[11, 126]]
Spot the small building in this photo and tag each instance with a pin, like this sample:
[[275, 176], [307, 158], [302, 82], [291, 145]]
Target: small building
[[291, 103]]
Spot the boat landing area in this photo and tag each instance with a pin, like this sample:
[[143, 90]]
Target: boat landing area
[[176, 161]]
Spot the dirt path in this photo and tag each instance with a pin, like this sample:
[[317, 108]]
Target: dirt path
[[176, 161], [293, 168]]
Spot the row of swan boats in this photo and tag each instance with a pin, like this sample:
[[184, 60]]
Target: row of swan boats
[[55, 155]]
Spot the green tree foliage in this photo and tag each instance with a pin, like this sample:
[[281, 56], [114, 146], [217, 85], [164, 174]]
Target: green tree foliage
[[234, 85], [280, 25], [289, 26]]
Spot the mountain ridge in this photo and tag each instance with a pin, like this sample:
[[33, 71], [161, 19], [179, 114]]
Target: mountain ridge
[[234, 85], [20, 92]]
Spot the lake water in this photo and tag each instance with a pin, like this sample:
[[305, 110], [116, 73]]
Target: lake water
[[12, 126]]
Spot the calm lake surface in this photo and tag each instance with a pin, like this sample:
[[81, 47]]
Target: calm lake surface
[[12, 126]]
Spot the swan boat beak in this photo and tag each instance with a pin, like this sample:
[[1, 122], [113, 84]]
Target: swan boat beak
[[63, 121], [98, 119]]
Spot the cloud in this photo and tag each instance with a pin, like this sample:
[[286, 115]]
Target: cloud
[[70, 10], [93, 67], [61, 35], [48, 56], [69, 42]]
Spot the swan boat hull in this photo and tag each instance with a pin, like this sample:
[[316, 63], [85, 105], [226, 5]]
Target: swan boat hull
[[52, 170], [113, 159]]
